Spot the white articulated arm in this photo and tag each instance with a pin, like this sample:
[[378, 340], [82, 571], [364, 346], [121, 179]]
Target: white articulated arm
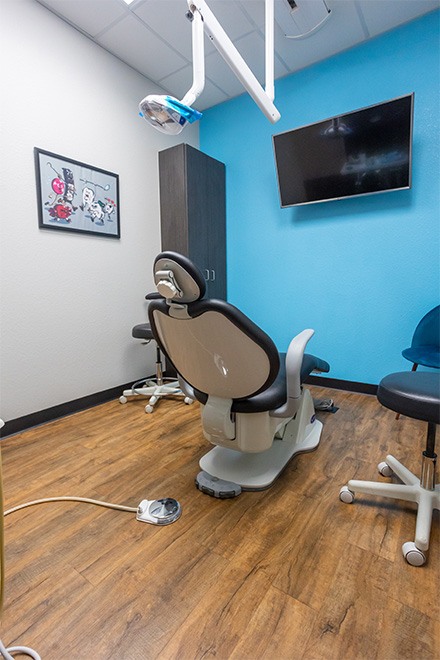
[[198, 53], [294, 359], [224, 45]]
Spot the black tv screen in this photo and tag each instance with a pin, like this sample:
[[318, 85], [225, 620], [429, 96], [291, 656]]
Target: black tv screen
[[358, 153]]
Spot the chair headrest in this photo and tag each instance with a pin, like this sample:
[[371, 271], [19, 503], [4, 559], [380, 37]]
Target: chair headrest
[[177, 278]]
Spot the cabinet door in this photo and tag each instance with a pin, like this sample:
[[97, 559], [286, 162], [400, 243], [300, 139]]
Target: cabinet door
[[173, 200], [217, 236], [193, 211], [207, 219]]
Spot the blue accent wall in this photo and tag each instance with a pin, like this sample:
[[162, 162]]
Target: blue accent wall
[[361, 271]]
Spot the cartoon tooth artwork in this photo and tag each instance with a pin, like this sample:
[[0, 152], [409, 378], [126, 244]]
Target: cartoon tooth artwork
[[97, 211], [109, 208], [61, 208], [76, 197], [88, 197]]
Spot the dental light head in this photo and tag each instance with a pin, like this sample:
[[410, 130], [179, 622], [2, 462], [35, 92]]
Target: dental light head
[[167, 114]]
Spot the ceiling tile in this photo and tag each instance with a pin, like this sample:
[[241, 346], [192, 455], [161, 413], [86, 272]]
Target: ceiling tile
[[231, 17], [91, 16], [393, 13], [154, 36], [342, 30], [168, 19], [177, 84], [134, 43], [217, 69]]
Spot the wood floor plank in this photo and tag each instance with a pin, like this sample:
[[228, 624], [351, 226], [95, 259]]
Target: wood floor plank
[[350, 619], [280, 628], [291, 572], [408, 633]]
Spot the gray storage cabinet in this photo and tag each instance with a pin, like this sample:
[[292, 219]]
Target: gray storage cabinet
[[193, 211]]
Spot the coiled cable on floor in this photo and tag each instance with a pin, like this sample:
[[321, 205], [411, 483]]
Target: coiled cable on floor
[[6, 653]]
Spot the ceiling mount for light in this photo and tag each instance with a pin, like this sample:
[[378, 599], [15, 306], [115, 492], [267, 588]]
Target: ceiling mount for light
[[301, 18], [169, 115]]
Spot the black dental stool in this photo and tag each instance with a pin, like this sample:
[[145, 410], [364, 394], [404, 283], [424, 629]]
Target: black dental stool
[[154, 387], [417, 395]]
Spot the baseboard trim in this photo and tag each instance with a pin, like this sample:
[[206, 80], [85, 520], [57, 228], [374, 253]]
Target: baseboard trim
[[346, 385], [71, 407], [62, 410]]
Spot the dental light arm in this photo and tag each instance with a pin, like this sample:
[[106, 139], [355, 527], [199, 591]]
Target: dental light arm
[[264, 99], [198, 53], [170, 116]]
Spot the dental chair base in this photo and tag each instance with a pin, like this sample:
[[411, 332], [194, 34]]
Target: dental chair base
[[239, 471]]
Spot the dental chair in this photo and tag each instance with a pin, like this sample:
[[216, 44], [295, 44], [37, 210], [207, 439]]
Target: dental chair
[[253, 406]]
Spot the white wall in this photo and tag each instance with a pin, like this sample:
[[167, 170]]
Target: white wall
[[69, 301]]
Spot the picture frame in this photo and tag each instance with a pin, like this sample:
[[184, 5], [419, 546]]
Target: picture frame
[[76, 197]]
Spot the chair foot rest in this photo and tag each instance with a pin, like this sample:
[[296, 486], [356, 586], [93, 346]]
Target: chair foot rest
[[216, 487]]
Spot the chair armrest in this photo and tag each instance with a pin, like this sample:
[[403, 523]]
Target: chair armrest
[[294, 358]]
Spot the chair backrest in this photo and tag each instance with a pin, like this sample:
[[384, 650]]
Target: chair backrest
[[216, 348], [427, 332]]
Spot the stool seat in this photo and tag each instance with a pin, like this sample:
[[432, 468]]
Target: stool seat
[[414, 394], [142, 331]]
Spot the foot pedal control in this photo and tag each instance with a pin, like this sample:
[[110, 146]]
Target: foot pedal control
[[217, 487]]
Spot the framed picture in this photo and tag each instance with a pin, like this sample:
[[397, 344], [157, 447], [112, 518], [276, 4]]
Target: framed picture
[[76, 197]]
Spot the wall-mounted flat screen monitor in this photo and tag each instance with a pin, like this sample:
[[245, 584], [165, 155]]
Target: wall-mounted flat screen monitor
[[358, 153]]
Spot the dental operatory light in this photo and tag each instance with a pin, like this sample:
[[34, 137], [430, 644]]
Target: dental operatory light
[[169, 115]]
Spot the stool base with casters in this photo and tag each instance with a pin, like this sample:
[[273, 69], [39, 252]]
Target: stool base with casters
[[417, 395], [155, 387]]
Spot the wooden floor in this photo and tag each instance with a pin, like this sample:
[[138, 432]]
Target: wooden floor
[[287, 573]]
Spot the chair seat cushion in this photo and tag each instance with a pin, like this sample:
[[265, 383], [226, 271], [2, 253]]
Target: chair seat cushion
[[412, 393], [275, 395], [428, 356], [142, 331]]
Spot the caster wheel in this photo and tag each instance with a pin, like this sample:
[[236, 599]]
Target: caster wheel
[[384, 469], [346, 495], [123, 399], [412, 554], [188, 401], [149, 409]]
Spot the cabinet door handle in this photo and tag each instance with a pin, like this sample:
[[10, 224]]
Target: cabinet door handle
[[213, 275], [206, 274]]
